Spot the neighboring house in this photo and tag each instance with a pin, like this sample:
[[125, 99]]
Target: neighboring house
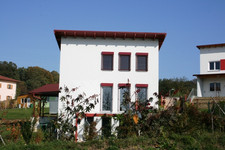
[[211, 80], [24, 101], [100, 62], [7, 88]]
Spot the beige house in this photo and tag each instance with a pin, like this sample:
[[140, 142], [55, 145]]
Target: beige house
[[7, 88]]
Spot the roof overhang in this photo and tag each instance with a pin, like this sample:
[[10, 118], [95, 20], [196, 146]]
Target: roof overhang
[[210, 45], [216, 75], [47, 90], [109, 34], [3, 78]]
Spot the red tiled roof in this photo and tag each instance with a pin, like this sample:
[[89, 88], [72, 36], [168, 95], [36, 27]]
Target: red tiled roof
[[210, 45], [48, 89], [109, 34], [8, 79]]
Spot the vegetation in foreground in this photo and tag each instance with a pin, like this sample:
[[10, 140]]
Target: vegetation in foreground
[[199, 140], [182, 126]]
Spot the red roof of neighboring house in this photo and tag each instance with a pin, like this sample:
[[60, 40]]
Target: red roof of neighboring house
[[210, 45], [109, 34], [8, 79], [47, 90]]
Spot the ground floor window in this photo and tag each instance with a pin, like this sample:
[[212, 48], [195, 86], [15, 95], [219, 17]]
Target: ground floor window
[[142, 92], [124, 93], [106, 96], [215, 87]]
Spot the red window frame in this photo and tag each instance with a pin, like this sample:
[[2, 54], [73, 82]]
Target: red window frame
[[107, 53], [104, 85], [142, 54], [124, 54], [222, 64]]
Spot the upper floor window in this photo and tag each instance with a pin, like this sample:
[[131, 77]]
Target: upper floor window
[[124, 61], [106, 96], [124, 93], [107, 60], [142, 62], [9, 86], [215, 87], [214, 65]]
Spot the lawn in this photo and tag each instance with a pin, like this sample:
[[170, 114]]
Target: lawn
[[17, 113]]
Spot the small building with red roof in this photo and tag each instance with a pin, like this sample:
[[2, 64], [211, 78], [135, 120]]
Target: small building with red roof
[[7, 88], [211, 80]]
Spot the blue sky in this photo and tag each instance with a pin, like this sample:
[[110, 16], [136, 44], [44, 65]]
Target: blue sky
[[27, 38]]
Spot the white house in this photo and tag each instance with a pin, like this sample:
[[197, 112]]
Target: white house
[[211, 80], [7, 88], [100, 62]]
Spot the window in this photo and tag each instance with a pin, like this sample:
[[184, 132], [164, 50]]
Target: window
[[107, 60], [142, 61], [142, 92], [9, 86], [215, 87], [8, 97], [106, 126], [107, 96], [124, 61], [123, 88], [214, 65]]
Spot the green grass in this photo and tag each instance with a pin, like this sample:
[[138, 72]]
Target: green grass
[[17, 113]]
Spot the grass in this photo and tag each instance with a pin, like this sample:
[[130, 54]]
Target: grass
[[17, 113], [204, 140]]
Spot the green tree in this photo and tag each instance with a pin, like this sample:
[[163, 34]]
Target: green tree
[[55, 76], [180, 86], [9, 69]]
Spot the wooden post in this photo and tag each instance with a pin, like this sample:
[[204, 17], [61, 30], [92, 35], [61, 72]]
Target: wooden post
[[43, 108], [33, 101]]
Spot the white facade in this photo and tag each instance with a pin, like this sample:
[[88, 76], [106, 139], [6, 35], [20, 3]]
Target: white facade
[[7, 90], [211, 80], [81, 61]]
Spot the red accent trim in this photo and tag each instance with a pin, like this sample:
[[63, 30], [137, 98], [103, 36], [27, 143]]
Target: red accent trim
[[76, 134], [109, 34], [97, 115], [142, 54], [222, 64], [124, 53], [106, 84], [210, 45], [107, 53], [124, 84], [141, 85]]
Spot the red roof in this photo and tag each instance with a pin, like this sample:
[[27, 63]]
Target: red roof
[[109, 34], [48, 89], [210, 45], [8, 79]]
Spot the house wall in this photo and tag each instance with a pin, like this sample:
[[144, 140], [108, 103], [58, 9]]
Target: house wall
[[80, 66], [4, 91], [210, 54], [205, 87]]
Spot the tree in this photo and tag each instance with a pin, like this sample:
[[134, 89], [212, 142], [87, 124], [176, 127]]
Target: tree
[[55, 76], [180, 86], [9, 69]]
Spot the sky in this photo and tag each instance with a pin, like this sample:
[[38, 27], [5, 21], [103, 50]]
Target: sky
[[27, 37]]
